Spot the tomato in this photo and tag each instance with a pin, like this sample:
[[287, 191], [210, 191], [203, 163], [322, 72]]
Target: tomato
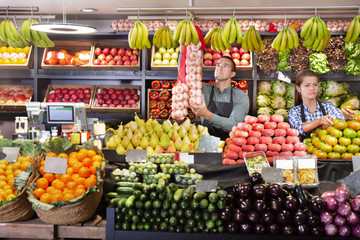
[[307, 141], [356, 141], [355, 125], [322, 132], [346, 156], [336, 133], [326, 148], [349, 133], [310, 149], [352, 148], [357, 117], [313, 135], [339, 148], [347, 106], [315, 141], [341, 125], [334, 155], [322, 155], [331, 140], [344, 141], [358, 133], [322, 138]]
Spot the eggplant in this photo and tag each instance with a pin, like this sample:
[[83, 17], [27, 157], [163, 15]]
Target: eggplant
[[289, 230], [313, 219], [275, 204], [232, 227], [259, 205], [318, 204], [226, 214], [245, 204], [275, 189], [300, 196], [273, 228], [253, 216], [299, 217], [260, 190], [318, 231], [246, 228], [239, 216], [260, 228], [236, 187], [290, 203], [230, 198], [244, 190], [283, 217], [256, 178], [303, 229], [267, 217]]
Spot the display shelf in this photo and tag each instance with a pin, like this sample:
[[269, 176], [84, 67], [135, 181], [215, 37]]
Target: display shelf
[[28, 65], [16, 73], [88, 74]]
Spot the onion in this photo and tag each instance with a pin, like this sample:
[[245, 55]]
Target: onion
[[341, 193], [339, 220], [331, 204], [353, 218], [326, 217], [344, 231], [356, 230], [355, 204], [344, 209], [328, 194], [331, 229]]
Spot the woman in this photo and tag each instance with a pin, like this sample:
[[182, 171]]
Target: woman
[[310, 112]]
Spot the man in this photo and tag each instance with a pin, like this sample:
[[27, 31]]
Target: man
[[223, 106]]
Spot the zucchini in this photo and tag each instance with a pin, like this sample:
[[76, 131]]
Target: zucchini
[[194, 204], [173, 221], [130, 201], [212, 207], [138, 186], [139, 204], [213, 197], [156, 204], [222, 194], [121, 203], [160, 188], [200, 195], [125, 190], [179, 195], [153, 195], [143, 197], [188, 193], [169, 194], [114, 201], [146, 189], [189, 213], [166, 204], [173, 187], [137, 194], [148, 205], [112, 194], [184, 205], [204, 203], [221, 204]]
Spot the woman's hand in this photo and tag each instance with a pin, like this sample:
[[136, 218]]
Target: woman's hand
[[348, 114], [326, 121]]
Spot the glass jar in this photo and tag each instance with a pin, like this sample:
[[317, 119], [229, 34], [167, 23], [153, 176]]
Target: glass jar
[[85, 135], [17, 125], [65, 135], [24, 123], [33, 133], [99, 128], [75, 137]]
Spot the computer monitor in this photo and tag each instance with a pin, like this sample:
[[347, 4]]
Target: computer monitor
[[61, 114]]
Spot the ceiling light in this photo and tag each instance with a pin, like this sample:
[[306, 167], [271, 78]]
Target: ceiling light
[[88, 10], [63, 28]]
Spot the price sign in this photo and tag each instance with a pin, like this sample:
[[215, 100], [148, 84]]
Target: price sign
[[271, 175], [283, 77], [55, 165], [356, 163], [135, 155], [352, 183], [11, 154], [206, 186], [187, 158], [208, 143]]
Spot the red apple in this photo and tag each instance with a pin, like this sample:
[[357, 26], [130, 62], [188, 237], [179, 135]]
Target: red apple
[[20, 92], [242, 51], [121, 97], [125, 58], [126, 91], [57, 100], [104, 91], [117, 58], [72, 91], [57, 90], [119, 92], [136, 97], [134, 62], [111, 91], [216, 56], [208, 50], [52, 96], [131, 102], [116, 102], [49, 100], [78, 100], [59, 96], [87, 90], [108, 101], [215, 61], [217, 51], [134, 105], [81, 96], [227, 54], [133, 91], [234, 50], [245, 56], [106, 51], [109, 58], [79, 91], [133, 57], [121, 52], [128, 97], [237, 62], [106, 96], [86, 100], [127, 62], [136, 51], [97, 105], [113, 51], [208, 62], [123, 102], [96, 62], [112, 62], [66, 100], [112, 105], [98, 96], [127, 106], [103, 62], [119, 106], [128, 52], [97, 51], [101, 101], [11, 92], [104, 105], [67, 96], [225, 51], [119, 62], [244, 62], [74, 97], [235, 56], [208, 56], [101, 57], [87, 96]]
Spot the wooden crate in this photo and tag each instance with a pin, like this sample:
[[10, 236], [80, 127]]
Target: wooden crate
[[28, 65], [238, 68], [52, 87], [160, 67], [71, 47], [113, 67], [15, 107], [115, 109]]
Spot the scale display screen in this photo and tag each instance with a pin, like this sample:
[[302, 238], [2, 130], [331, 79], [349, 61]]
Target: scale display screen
[[61, 114]]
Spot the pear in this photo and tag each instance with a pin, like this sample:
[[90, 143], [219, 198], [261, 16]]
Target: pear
[[205, 131], [192, 148], [120, 149], [121, 131], [175, 126], [193, 134], [154, 141], [135, 141], [178, 144], [149, 150], [125, 141], [148, 122], [196, 144], [142, 129], [160, 133], [144, 142], [130, 146], [149, 129], [129, 134], [113, 142], [139, 148], [170, 132], [158, 128], [167, 125], [187, 124], [171, 147], [200, 127], [185, 148], [175, 136], [139, 121], [154, 123], [159, 149], [186, 140], [132, 125], [164, 141], [138, 133], [182, 131]]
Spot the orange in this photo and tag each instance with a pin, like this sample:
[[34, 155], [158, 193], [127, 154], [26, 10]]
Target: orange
[[4, 162], [84, 172], [23, 60], [71, 185], [10, 196], [84, 150], [9, 191], [75, 177], [49, 176], [11, 183], [3, 177], [41, 170], [26, 50], [81, 156], [91, 153], [3, 183], [8, 172], [97, 158], [80, 181], [66, 178], [10, 49], [93, 169], [80, 186], [58, 184], [77, 167], [51, 154], [50, 189], [9, 177], [70, 171], [45, 198], [56, 197], [3, 49], [25, 165], [56, 191], [63, 155], [42, 163], [73, 155], [42, 183], [87, 162], [15, 61], [78, 192], [17, 172], [90, 182], [68, 196], [97, 164], [72, 161], [58, 176], [66, 191], [39, 192], [7, 61]]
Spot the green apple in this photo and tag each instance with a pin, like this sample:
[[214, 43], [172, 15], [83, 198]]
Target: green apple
[[165, 62], [157, 56], [166, 56], [174, 56], [170, 50], [157, 62], [162, 50], [173, 62], [177, 50]]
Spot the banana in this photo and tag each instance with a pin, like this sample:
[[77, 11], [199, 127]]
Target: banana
[[356, 31], [14, 31], [305, 27], [188, 34], [226, 44], [295, 37], [156, 38], [314, 30], [194, 34], [216, 36], [145, 33], [290, 42], [178, 30], [27, 32], [259, 40], [316, 44], [277, 40], [132, 37], [309, 31], [321, 45], [8, 31], [249, 43], [227, 29], [35, 36], [320, 30], [48, 42], [168, 38], [209, 34], [24, 26], [327, 35], [239, 37], [348, 34], [219, 40], [163, 39], [244, 43], [254, 40], [139, 36], [283, 44], [2, 31], [232, 35], [182, 33]]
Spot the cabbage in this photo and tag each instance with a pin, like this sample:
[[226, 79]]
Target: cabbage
[[355, 101], [282, 112], [290, 90], [264, 111], [290, 103], [322, 86], [278, 88], [334, 89], [278, 102], [263, 101], [264, 88], [336, 101]]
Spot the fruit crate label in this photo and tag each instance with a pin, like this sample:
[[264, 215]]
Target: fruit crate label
[[306, 163], [187, 158], [207, 186], [272, 175], [55, 165], [284, 164], [208, 143], [356, 163], [352, 183], [11, 154], [136, 155], [283, 77]]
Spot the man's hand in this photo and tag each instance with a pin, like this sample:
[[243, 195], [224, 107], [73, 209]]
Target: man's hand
[[201, 110], [348, 114]]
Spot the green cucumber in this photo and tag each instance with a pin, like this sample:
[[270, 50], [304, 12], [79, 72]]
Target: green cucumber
[[213, 197], [139, 204], [178, 195], [121, 203], [138, 186], [173, 221], [160, 188], [112, 194], [156, 204], [173, 187], [194, 204], [146, 189], [212, 207], [200, 195], [148, 205], [204, 203], [130, 201], [184, 205], [125, 190], [169, 194], [189, 213], [114, 201], [210, 224], [137, 194], [188, 193], [143, 197], [166, 204], [221, 204], [153, 195], [222, 194]]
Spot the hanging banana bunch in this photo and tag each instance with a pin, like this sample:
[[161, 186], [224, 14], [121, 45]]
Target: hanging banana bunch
[[39, 39], [163, 37], [252, 40], [232, 31], [139, 36], [315, 34], [287, 38], [10, 35], [185, 32], [353, 30], [217, 39]]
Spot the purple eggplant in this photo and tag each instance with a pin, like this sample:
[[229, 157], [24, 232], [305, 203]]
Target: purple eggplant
[[236, 187], [226, 214], [299, 217], [259, 205], [318, 231], [317, 204], [230, 198], [313, 219], [260, 228], [289, 230], [232, 227], [267, 217], [344, 209], [331, 204], [326, 217], [256, 178], [339, 220], [244, 190], [283, 217], [273, 228], [355, 204], [253, 216], [300, 196], [239, 216], [355, 230], [328, 194], [290, 203], [260, 190], [353, 218], [275, 189], [344, 231], [303, 229], [341, 193], [245, 228], [245, 204], [275, 204], [331, 229]]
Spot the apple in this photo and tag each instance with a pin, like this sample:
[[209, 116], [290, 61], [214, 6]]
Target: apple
[[106, 96], [52, 96], [87, 90], [225, 51], [105, 105], [104, 91], [11, 92], [57, 100], [116, 102], [121, 52], [72, 91], [117, 58], [97, 51], [113, 96], [215, 61], [119, 92], [121, 97], [237, 62], [131, 102], [133, 91], [96, 62], [119, 106], [174, 56], [119, 62], [208, 50], [87, 95], [111, 91], [123, 102], [157, 62], [125, 58], [79, 91], [127, 62], [103, 62], [86, 100], [128, 52], [98, 96], [165, 62], [157, 56], [136, 52], [217, 51], [127, 106], [126, 91], [166, 56], [128, 97], [242, 51], [208, 56], [208, 62], [228, 54], [101, 57], [106, 51], [136, 97], [134, 63], [134, 105], [216, 56], [235, 56], [245, 56], [74, 97], [244, 62], [3, 101], [101, 101], [81, 96], [108, 101], [113, 51], [162, 50], [133, 57], [109, 58], [20, 92], [112, 105], [97, 105], [57, 90], [170, 50], [173, 62], [234, 50], [64, 90], [111, 62]]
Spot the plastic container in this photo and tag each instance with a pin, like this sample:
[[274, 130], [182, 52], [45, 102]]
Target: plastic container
[[287, 165], [255, 161], [306, 171]]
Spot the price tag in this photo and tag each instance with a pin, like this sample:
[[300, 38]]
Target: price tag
[[271, 175], [187, 158], [11, 154], [352, 183], [306, 163], [206, 186], [283, 77], [136, 155], [55, 165], [208, 143], [284, 164], [356, 163]]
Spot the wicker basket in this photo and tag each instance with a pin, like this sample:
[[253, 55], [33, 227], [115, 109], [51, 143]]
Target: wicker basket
[[19, 209]]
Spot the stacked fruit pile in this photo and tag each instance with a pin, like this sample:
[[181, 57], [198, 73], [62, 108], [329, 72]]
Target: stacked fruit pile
[[342, 140], [117, 98], [10, 95], [166, 57], [240, 57], [70, 95], [156, 137], [263, 133], [10, 55], [114, 56], [63, 57], [81, 174]]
